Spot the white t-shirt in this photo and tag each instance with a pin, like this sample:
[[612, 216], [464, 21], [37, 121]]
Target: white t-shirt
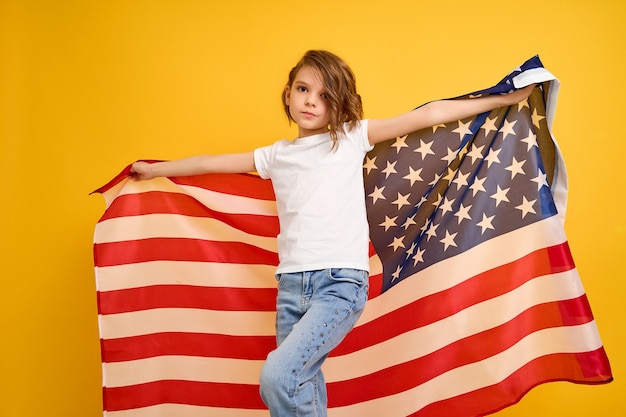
[[320, 200]]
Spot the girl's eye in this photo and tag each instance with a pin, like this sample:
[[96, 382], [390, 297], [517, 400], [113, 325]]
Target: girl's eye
[[302, 89], [324, 96]]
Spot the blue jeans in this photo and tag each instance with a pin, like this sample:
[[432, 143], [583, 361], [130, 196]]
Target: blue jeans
[[314, 312]]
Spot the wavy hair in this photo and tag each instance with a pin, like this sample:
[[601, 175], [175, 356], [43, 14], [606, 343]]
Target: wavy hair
[[340, 86]]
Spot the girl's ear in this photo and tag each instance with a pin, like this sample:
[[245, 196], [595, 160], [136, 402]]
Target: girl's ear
[[287, 94]]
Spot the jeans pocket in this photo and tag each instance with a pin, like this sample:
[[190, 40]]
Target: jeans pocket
[[279, 279], [355, 276]]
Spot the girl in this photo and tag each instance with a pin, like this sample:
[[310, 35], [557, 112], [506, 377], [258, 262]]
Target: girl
[[323, 241]]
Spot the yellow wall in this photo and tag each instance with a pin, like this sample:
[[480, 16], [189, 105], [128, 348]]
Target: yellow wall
[[89, 86]]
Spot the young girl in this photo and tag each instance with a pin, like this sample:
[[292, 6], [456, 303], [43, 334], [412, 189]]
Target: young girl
[[323, 241]]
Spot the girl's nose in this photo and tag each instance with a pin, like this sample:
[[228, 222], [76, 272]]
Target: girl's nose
[[310, 100]]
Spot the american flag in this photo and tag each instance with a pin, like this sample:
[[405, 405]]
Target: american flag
[[474, 296]]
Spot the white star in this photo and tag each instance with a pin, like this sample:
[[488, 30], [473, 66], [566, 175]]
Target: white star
[[413, 175], [461, 180], [435, 127], [450, 156], [530, 140], [463, 129], [396, 274], [389, 222], [463, 151], [476, 153], [448, 240], [449, 175], [419, 256], [507, 129], [424, 149], [477, 186], [410, 250], [526, 207], [541, 179], [397, 243], [391, 169], [489, 125], [522, 104], [432, 231], [446, 206], [439, 197], [463, 213], [409, 221], [516, 168], [400, 143], [402, 200], [485, 223], [377, 194], [435, 180], [537, 118], [500, 195], [370, 164], [492, 157]]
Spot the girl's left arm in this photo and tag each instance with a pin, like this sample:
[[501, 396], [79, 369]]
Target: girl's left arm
[[439, 112]]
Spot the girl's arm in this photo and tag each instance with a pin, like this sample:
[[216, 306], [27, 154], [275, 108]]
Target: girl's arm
[[195, 165], [439, 112]]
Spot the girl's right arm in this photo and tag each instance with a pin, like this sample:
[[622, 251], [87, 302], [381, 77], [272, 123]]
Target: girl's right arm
[[195, 165]]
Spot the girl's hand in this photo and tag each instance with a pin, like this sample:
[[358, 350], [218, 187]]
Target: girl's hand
[[141, 171]]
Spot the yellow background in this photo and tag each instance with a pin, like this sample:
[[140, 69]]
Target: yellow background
[[89, 86]]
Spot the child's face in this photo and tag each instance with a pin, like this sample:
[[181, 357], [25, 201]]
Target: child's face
[[306, 98]]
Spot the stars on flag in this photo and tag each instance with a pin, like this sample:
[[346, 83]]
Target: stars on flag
[[437, 192]]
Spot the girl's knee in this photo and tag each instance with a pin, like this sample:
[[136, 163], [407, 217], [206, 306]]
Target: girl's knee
[[272, 379]]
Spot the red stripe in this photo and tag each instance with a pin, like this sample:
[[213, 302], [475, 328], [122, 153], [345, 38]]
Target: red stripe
[[462, 352], [549, 368], [245, 185], [376, 286], [180, 249], [208, 394], [157, 202], [187, 296], [430, 309], [187, 344]]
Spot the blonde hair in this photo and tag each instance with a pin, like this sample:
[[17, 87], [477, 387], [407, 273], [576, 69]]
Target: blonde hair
[[340, 85]]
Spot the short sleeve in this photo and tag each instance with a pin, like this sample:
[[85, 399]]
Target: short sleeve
[[262, 160], [363, 135]]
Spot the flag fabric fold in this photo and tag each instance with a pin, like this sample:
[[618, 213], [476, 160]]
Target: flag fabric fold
[[474, 295]]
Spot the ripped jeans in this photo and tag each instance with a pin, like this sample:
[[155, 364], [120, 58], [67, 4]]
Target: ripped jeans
[[314, 312]]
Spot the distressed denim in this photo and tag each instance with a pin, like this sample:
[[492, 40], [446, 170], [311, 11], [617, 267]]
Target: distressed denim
[[314, 312]]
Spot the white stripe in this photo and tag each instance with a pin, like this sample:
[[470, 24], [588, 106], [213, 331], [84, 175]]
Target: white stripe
[[176, 226], [183, 410], [532, 76], [572, 339], [376, 266], [453, 271], [183, 368], [228, 203], [405, 347], [208, 274], [235, 323]]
